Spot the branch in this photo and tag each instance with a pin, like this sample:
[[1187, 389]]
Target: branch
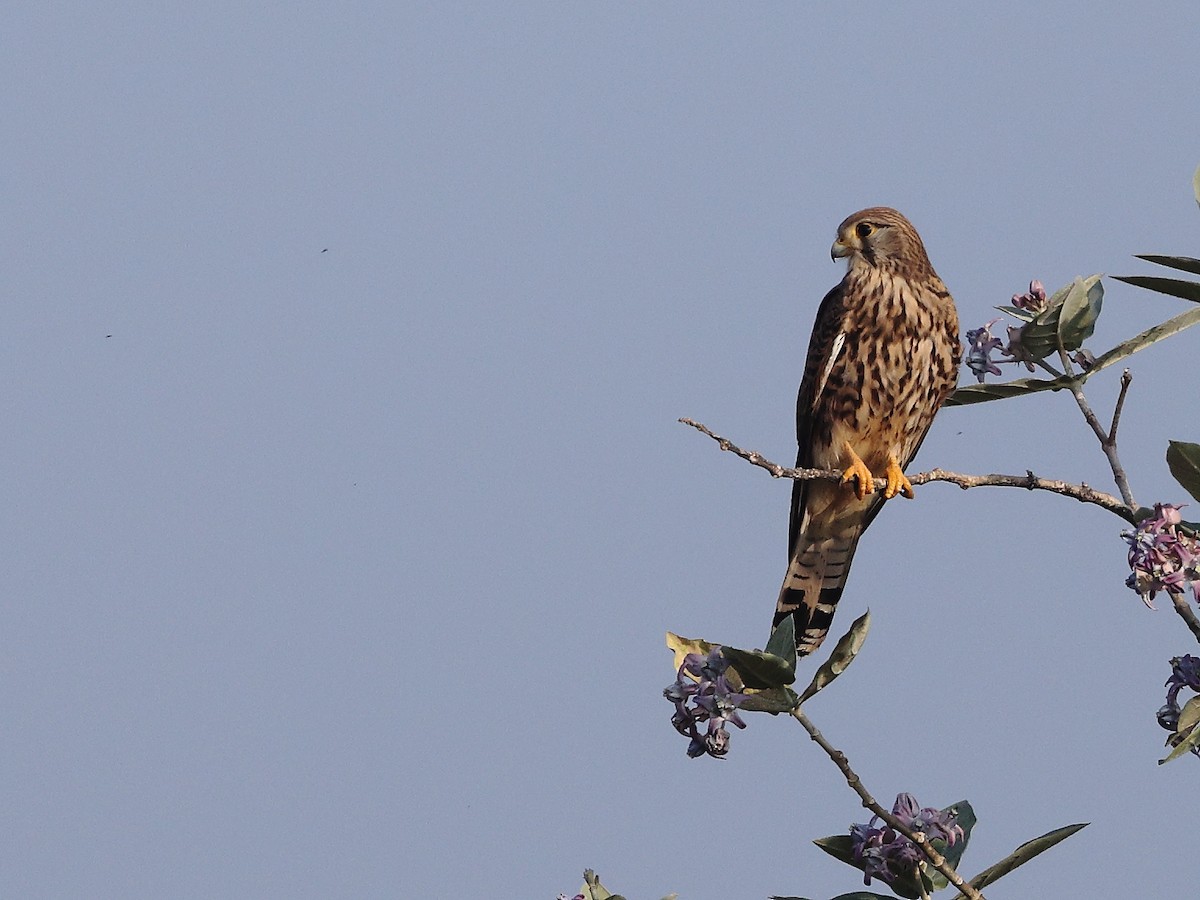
[[1081, 492], [1185, 612], [917, 837], [1108, 441], [1126, 380]]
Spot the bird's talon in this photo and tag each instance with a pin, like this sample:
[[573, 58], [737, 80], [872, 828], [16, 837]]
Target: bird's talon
[[857, 472], [897, 481]]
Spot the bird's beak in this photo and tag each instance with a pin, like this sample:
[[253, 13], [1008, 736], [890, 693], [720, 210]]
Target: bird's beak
[[838, 250]]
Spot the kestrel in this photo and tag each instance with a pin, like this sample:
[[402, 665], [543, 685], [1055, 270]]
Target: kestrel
[[883, 356]]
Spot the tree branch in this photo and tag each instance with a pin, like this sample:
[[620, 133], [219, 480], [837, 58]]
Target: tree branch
[[1108, 441], [1126, 380], [917, 837], [1179, 601], [1081, 492]]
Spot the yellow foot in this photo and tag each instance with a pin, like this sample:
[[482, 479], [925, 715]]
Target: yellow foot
[[858, 472], [897, 481]]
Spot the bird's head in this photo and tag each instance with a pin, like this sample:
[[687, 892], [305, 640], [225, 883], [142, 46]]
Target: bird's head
[[880, 237]]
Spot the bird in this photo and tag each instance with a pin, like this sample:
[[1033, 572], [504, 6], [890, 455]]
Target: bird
[[883, 357]]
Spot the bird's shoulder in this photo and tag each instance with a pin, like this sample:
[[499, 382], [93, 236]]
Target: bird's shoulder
[[830, 321]]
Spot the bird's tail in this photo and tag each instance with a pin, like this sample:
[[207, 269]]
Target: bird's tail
[[813, 586]]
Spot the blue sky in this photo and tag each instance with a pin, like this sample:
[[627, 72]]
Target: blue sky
[[345, 504]]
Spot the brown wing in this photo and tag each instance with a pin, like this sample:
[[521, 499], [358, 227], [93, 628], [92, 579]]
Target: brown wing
[[828, 324], [818, 565]]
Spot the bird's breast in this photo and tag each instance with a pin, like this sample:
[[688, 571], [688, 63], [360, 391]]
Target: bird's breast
[[899, 362]]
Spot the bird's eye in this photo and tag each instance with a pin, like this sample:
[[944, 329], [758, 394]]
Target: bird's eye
[[864, 229]]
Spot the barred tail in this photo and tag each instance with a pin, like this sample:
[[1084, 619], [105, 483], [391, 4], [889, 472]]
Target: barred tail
[[813, 586]]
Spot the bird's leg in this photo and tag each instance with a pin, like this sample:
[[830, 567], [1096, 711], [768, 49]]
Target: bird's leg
[[858, 471], [897, 481]]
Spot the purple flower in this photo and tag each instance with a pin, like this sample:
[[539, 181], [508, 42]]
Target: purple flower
[[886, 854], [1033, 300], [981, 343], [1016, 350], [1162, 557], [702, 694], [935, 823], [869, 845], [1185, 672]]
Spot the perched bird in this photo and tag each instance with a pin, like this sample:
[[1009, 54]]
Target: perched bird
[[883, 356]]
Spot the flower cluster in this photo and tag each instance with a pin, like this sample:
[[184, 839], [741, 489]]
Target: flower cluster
[[701, 680], [1033, 300], [982, 343], [884, 853], [1185, 672], [1162, 556], [979, 353]]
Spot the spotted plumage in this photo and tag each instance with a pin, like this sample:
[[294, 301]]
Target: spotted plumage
[[883, 356]]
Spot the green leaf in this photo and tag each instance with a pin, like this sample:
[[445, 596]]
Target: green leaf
[[1183, 459], [1039, 338], [783, 641], [839, 846], [1141, 341], [982, 393], [1175, 287], [1017, 313], [1183, 263], [772, 700], [964, 816], [1189, 715], [1192, 737], [1190, 740], [843, 654], [1022, 855], [1080, 309], [760, 669]]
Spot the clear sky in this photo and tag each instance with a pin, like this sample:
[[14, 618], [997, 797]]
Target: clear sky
[[345, 508]]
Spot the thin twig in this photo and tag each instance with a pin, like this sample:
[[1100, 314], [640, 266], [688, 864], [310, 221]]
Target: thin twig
[[1179, 601], [1126, 380], [1045, 365], [1081, 492], [1108, 441], [917, 837]]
